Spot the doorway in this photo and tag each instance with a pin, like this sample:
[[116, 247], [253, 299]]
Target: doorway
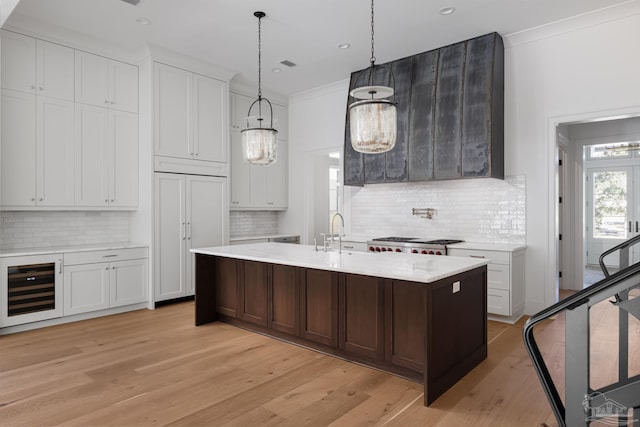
[[601, 198], [326, 192]]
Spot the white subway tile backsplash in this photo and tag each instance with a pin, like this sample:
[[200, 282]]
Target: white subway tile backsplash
[[251, 223], [41, 229], [479, 210]]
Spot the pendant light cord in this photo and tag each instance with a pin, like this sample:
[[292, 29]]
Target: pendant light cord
[[373, 58], [259, 58]]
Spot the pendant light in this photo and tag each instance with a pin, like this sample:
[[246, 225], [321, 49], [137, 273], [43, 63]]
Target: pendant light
[[373, 118], [260, 144]]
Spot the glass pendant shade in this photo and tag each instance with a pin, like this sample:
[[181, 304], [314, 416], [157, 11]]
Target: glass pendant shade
[[373, 125], [259, 146], [373, 119]]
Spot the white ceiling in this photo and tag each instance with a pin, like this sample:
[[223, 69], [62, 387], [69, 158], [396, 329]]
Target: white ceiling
[[306, 32]]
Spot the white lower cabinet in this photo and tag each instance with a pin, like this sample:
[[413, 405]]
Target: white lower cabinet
[[98, 280], [191, 212], [505, 281]]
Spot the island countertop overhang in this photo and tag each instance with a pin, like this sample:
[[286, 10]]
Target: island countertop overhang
[[409, 267]]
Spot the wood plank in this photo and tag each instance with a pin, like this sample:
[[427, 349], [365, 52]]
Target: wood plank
[[153, 367]]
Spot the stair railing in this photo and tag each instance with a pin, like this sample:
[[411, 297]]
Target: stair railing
[[582, 404]]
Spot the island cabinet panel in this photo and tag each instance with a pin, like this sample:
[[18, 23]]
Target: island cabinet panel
[[254, 278], [284, 297], [405, 319], [226, 284], [319, 307], [456, 330], [362, 315]]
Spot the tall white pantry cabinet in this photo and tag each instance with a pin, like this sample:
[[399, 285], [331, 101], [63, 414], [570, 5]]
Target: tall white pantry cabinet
[[191, 168]]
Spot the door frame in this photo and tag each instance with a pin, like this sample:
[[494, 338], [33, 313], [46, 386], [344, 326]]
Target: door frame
[[551, 283]]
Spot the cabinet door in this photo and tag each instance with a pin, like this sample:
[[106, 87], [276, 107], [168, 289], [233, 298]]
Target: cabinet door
[[170, 237], [55, 153], [124, 172], [405, 304], [94, 136], [86, 288], [128, 282], [91, 79], [173, 107], [362, 315], [209, 119], [18, 62], [277, 183], [240, 175], [281, 121], [123, 86], [18, 148], [254, 282], [206, 213], [226, 286], [55, 70], [319, 307], [239, 109], [284, 299]]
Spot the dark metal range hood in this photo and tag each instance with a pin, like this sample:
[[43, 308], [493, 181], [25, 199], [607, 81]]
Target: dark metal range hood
[[450, 117]]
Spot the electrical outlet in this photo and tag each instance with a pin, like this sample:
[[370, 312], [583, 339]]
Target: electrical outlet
[[456, 287]]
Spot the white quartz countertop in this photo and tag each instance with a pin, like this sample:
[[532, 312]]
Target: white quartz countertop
[[410, 267], [501, 247], [72, 248]]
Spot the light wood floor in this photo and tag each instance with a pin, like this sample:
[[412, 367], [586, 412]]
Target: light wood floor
[[155, 368]]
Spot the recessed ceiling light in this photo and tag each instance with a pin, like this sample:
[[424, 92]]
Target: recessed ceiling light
[[344, 45], [447, 10], [276, 70], [143, 21]]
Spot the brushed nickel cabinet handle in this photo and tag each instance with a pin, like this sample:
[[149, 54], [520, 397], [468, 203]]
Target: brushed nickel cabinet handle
[[477, 256]]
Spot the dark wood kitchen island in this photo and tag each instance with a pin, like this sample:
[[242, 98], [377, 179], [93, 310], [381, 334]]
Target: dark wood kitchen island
[[423, 317]]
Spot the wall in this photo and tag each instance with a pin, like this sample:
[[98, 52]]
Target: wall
[[479, 210], [38, 229], [251, 223], [576, 69]]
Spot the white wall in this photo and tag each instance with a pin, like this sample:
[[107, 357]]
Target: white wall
[[577, 69]]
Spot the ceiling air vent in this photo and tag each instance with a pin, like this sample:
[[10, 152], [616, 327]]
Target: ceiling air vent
[[133, 2], [288, 63]]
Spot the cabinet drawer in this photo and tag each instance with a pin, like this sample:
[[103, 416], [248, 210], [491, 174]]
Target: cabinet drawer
[[90, 257], [498, 276], [496, 257], [498, 302]]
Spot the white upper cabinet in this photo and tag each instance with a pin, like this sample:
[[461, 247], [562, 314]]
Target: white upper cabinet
[[107, 146], [36, 66], [105, 82], [37, 151], [190, 115], [240, 108], [209, 115], [18, 154]]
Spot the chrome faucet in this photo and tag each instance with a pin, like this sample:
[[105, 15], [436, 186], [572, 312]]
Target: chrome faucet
[[337, 214]]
